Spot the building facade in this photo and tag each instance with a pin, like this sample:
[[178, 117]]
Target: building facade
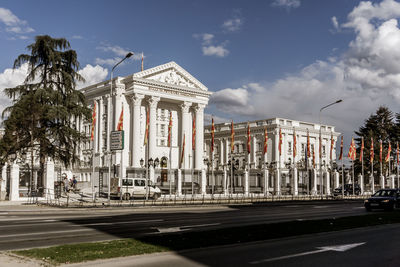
[[157, 93], [273, 172]]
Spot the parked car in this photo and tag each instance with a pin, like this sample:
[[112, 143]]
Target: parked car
[[386, 199], [133, 187], [348, 190]]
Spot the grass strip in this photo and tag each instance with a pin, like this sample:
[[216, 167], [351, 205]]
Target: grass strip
[[189, 240]]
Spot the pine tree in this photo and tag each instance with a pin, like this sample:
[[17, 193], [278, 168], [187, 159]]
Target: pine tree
[[46, 107]]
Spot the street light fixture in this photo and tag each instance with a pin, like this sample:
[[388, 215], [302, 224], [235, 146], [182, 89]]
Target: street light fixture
[[320, 140], [109, 118]]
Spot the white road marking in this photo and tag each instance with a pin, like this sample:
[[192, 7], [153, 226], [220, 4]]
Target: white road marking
[[339, 248], [183, 228], [115, 223], [49, 220]]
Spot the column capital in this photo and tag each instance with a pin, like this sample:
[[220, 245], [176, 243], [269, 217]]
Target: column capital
[[137, 99], [199, 108], [185, 106], [153, 101]]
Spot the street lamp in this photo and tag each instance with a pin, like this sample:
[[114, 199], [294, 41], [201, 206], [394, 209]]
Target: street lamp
[[109, 117], [320, 140]]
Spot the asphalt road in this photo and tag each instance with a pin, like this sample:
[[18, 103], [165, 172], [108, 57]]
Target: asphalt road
[[38, 227], [372, 246]]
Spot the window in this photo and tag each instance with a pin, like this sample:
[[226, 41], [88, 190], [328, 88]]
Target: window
[[140, 183], [162, 129], [127, 182], [162, 142], [303, 148], [289, 146], [323, 150]]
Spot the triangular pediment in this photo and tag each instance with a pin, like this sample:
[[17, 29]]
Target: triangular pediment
[[171, 73]]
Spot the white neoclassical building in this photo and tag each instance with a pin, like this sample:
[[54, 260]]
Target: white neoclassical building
[[281, 174], [161, 91]]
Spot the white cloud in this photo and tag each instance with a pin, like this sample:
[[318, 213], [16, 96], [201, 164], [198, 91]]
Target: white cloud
[[217, 119], [335, 23], [77, 37], [286, 3], [366, 76], [206, 38], [92, 75], [233, 24], [218, 51], [118, 52], [13, 23]]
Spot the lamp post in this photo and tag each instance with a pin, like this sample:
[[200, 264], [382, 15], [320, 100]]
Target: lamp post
[[109, 118], [320, 144]]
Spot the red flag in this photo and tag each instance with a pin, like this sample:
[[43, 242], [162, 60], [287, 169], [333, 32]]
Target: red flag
[[93, 121], [265, 140], [248, 139], [352, 150], [380, 151], [362, 149], [332, 143], [397, 153], [280, 142], [371, 151], [313, 158], [341, 149], [183, 152], [120, 124], [232, 137], [294, 144], [170, 129], [388, 153], [194, 134], [212, 135], [308, 145], [146, 134]]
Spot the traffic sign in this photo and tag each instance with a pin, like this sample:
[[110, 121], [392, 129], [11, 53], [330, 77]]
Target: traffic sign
[[117, 140]]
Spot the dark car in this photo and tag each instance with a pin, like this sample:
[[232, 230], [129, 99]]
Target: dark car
[[348, 190], [386, 199]]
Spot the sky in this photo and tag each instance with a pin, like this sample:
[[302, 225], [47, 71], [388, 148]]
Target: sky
[[261, 59]]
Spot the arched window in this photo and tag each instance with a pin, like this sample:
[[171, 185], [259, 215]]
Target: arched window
[[164, 162]]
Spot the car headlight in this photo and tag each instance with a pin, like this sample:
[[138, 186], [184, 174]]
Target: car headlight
[[366, 201], [386, 201]]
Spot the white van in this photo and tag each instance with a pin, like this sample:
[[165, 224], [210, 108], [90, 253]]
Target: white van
[[133, 188]]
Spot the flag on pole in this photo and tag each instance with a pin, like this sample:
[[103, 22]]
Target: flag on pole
[[120, 124], [280, 142], [146, 134], [341, 149], [93, 121], [308, 145], [362, 149], [194, 134], [332, 143], [265, 140], [170, 130], [388, 153], [232, 137], [212, 134], [313, 158], [183, 152], [380, 151], [352, 150], [371, 151], [142, 62], [294, 144], [248, 139]]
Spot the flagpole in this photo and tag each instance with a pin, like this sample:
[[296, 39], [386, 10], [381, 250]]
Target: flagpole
[[373, 178], [147, 170], [212, 174], [353, 175], [362, 166], [93, 168], [170, 167], [343, 180]]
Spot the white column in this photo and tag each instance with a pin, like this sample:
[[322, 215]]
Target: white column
[[109, 122], [253, 151], [278, 182], [382, 182], [3, 182], [179, 183], [276, 148], [314, 181], [95, 142], [49, 178], [187, 132], [99, 135], [153, 101], [392, 181], [203, 182], [295, 188], [226, 150], [221, 152], [137, 142], [266, 182], [224, 180], [372, 180], [14, 182], [199, 113], [151, 174], [361, 179], [337, 175], [328, 182], [246, 182]]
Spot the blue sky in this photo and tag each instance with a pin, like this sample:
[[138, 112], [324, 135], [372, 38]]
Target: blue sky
[[263, 59]]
